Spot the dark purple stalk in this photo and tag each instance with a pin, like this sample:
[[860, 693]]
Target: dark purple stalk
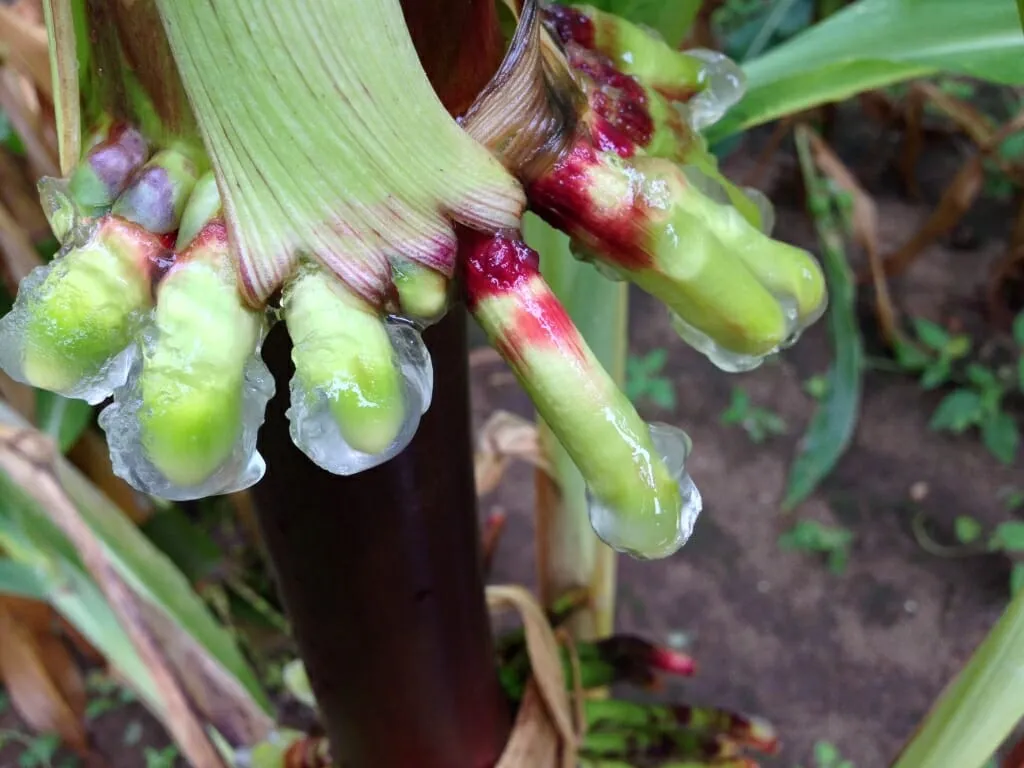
[[380, 573], [381, 577]]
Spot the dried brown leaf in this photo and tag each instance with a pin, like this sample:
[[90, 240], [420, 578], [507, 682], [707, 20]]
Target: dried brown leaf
[[913, 140], [976, 124], [44, 684], [18, 193], [955, 202], [865, 229], [18, 257], [20, 396], [18, 101], [23, 43], [503, 438], [546, 665]]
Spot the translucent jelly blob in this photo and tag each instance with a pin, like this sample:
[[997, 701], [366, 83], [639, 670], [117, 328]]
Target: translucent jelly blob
[[313, 427], [764, 207], [723, 83], [36, 348], [615, 527], [738, 362], [730, 362], [242, 468]]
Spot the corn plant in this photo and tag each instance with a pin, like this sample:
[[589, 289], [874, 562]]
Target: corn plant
[[232, 172]]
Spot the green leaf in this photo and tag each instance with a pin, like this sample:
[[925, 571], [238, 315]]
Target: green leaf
[[672, 20], [1018, 325], [1001, 435], [958, 347], [825, 754], [739, 407], [932, 334], [978, 710], [967, 529], [1008, 537], [958, 410], [61, 418], [872, 43], [816, 386], [662, 394], [39, 751], [1020, 373], [21, 580], [936, 374], [28, 535], [910, 357], [835, 419], [1016, 579], [981, 377]]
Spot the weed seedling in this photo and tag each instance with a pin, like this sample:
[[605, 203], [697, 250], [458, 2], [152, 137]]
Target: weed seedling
[[759, 423], [813, 537], [644, 379]]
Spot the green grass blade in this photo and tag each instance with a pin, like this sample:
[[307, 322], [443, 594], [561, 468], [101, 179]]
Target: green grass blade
[[199, 646], [61, 418], [981, 707], [872, 43], [835, 419]]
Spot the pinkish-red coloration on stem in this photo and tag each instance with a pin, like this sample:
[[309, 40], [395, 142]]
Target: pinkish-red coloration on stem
[[563, 197], [570, 25], [673, 662], [646, 654], [753, 732], [502, 265], [621, 120], [151, 254], [495, 264]]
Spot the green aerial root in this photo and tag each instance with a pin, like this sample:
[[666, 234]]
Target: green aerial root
[[342, 351], [574, 395], [88, 307], [192, 375]]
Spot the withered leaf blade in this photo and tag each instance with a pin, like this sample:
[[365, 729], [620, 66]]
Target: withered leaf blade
[[44, 684], [865, 228], [957, 199], [503, 438]]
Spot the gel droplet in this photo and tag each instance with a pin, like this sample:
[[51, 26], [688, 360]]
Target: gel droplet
[[97, 383], [613, 527], [241, 469], [315, 432], [764, 207], [724, 84], [722, 358]]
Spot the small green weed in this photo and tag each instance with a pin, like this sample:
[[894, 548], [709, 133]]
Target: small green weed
[[161, 758], [827, 755], [813, 537], [759, 423], [644, 379], [978, 401]]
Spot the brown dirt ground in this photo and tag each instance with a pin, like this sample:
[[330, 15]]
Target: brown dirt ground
[[854, 659]]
